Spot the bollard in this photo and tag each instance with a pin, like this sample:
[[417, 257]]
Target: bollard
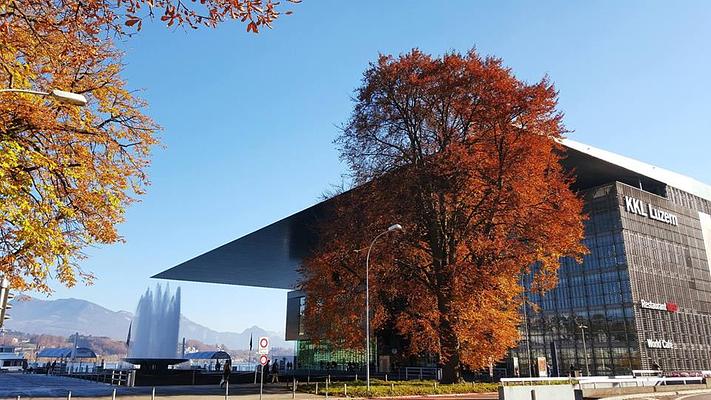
[[69, 395], [435, 387], [113, 394], [316, 388], [392, 388], [345, 391], [227, 390], [386, 377], [293, 390], [533, 394], [153, 393], [327, 387]]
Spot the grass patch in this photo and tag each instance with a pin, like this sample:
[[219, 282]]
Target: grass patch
[[380, 388]]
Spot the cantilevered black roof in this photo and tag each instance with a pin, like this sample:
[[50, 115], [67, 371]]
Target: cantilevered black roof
[[269, 257]]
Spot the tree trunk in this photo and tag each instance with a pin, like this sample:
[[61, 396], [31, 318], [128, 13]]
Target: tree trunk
[[451, 371]]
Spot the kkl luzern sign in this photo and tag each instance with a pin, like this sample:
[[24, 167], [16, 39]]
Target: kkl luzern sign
[[660, 344], [638, 207], [671, 307]]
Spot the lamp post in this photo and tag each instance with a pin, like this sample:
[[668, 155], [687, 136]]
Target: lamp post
[[392, 228], [585, 349], [59, 95]]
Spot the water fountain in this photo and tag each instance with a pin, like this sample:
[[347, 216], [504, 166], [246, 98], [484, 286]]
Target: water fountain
[[155, 330]]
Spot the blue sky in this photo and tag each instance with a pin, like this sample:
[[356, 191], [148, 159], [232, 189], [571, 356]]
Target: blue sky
[[249, 119]]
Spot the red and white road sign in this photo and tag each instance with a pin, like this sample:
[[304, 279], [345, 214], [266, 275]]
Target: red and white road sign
[[263, 360], [263, 347]]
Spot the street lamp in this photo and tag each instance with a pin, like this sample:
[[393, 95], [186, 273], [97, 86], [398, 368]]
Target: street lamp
[[59, 95], [585, 349], [392, 228]]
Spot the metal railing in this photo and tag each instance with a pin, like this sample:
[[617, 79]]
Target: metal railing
[[538, 381], [422, 373], [120, 378], [599, 382]]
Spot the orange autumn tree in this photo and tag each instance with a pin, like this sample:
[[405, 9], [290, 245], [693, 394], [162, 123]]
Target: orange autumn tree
[[466, 157], [67, 173]]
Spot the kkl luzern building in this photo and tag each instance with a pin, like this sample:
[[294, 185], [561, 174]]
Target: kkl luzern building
[[641, 296]]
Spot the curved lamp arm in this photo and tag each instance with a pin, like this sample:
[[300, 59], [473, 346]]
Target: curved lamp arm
[[59, 95]]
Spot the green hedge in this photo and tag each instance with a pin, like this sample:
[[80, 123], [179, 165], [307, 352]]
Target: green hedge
[[379, 388]]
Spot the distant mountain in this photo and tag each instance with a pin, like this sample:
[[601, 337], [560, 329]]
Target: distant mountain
[[64, 317]]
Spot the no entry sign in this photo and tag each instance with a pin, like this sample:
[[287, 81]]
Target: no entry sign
[[263, 347], [263, 360]]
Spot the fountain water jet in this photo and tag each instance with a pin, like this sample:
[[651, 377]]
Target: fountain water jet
[[155, 329]]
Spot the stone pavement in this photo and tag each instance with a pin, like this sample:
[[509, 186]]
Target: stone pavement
[[29, 386], [42, 386]]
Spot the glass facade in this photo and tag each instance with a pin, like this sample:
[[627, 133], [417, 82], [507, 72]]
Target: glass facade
[[640, 296], [323, 356], [595, 295]]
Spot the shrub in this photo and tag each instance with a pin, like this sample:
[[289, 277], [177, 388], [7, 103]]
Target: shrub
[[379, 388]]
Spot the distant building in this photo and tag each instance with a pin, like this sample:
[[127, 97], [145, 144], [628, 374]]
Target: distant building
[[10, 360], [642, 295]]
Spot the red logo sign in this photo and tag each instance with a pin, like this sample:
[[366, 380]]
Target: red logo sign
[[672, 307]]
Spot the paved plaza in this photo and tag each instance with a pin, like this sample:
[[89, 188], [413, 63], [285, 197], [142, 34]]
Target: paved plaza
[[42, 386]]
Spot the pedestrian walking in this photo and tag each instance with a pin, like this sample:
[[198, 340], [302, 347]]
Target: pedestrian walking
[[265, 371], [226, 372], [657, 367], [275, 372]]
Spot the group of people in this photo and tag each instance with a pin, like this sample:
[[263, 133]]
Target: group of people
[[50, 368], [271, 371]]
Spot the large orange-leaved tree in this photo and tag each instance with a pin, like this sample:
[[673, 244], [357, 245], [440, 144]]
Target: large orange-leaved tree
[[67, 173], [466, 158]]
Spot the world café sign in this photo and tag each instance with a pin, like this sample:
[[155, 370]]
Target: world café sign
[[638, 207]]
